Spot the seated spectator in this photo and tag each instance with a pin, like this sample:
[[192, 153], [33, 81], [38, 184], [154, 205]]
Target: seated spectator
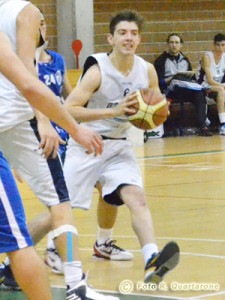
[[210, 74], [176, 80]]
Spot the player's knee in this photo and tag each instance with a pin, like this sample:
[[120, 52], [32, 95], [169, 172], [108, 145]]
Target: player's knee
[[141, 202], [63, 229], [140, 198], [220, 91]]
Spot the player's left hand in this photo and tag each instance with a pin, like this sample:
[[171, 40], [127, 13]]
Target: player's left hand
[[127, 105], [50, 139]]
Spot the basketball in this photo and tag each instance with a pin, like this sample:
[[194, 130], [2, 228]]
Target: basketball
[[152, 109]]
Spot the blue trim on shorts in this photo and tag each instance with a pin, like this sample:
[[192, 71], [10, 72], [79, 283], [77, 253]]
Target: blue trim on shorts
[[8, 242], [56, 170]]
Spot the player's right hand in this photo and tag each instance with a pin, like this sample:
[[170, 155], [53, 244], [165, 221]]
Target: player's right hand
[[89, 139]]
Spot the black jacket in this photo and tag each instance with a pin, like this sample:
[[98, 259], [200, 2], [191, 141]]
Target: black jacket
[[167, 65]]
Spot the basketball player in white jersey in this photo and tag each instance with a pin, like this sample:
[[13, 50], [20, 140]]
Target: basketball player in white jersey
[[14, 237], [20, 21], [211, 74], [103, 96]]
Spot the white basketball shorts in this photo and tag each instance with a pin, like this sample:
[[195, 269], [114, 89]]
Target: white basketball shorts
[[45, 177], [116, 166]]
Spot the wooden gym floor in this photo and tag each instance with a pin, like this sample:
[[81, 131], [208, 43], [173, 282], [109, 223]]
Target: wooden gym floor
[[184, 181]]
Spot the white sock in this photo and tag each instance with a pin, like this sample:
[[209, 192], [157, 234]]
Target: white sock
[[222, 117], [148, 250], [7, 261], [50, 242], [103, 235], [72, 272]]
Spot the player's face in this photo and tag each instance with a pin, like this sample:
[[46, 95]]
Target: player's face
[[126, 38], [219, 47], [174, 45]]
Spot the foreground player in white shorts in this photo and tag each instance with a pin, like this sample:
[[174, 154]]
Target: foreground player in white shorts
[[14, 237], [101, 99], [20, 134]]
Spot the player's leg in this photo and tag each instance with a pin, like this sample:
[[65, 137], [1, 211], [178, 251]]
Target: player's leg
[[220, 102], [39, 226], [122, 184], [30, 273], [80, 180], [199, 100], [105, 247], [52, 257], [106, 213], [15, 239], [46, 179], [157, 264], [141, 219]]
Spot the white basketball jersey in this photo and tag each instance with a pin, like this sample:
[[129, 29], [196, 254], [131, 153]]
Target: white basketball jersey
[[14, 108], [113, 88], [218, 70]]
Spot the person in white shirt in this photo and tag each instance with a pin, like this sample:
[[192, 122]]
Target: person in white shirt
[[211, 74], [105, 93], [35, 143]]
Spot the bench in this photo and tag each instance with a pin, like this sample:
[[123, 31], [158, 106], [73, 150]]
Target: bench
[[183, 118]]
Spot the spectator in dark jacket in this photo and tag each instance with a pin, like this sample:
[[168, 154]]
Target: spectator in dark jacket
[[176, 80]]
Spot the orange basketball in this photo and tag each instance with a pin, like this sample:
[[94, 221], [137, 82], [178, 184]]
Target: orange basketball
[[152, 109]]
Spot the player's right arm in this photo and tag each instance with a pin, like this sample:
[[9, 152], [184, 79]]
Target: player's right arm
[[82, 93], [42, 98], [206, 66]]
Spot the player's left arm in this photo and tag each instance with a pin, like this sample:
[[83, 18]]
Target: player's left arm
[[28, 36], [153, 78], [154, 82]]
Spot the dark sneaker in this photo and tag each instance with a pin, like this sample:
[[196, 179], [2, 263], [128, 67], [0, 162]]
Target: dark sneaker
[[53, 260], [205, 132], [109, 250], [84, 292], [161, 263], [7, 280]]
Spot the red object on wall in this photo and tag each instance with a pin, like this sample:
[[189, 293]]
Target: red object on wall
[[77, 46]]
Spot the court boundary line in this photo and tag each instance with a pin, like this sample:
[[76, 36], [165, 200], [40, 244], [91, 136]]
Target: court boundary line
[[139, 251], [154, 296], [181, 154], [159, 237], [208, 295], [130, 294]]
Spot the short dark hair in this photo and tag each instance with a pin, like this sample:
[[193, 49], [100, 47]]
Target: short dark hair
[[174, 34], [126, 15], [219, 38]]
